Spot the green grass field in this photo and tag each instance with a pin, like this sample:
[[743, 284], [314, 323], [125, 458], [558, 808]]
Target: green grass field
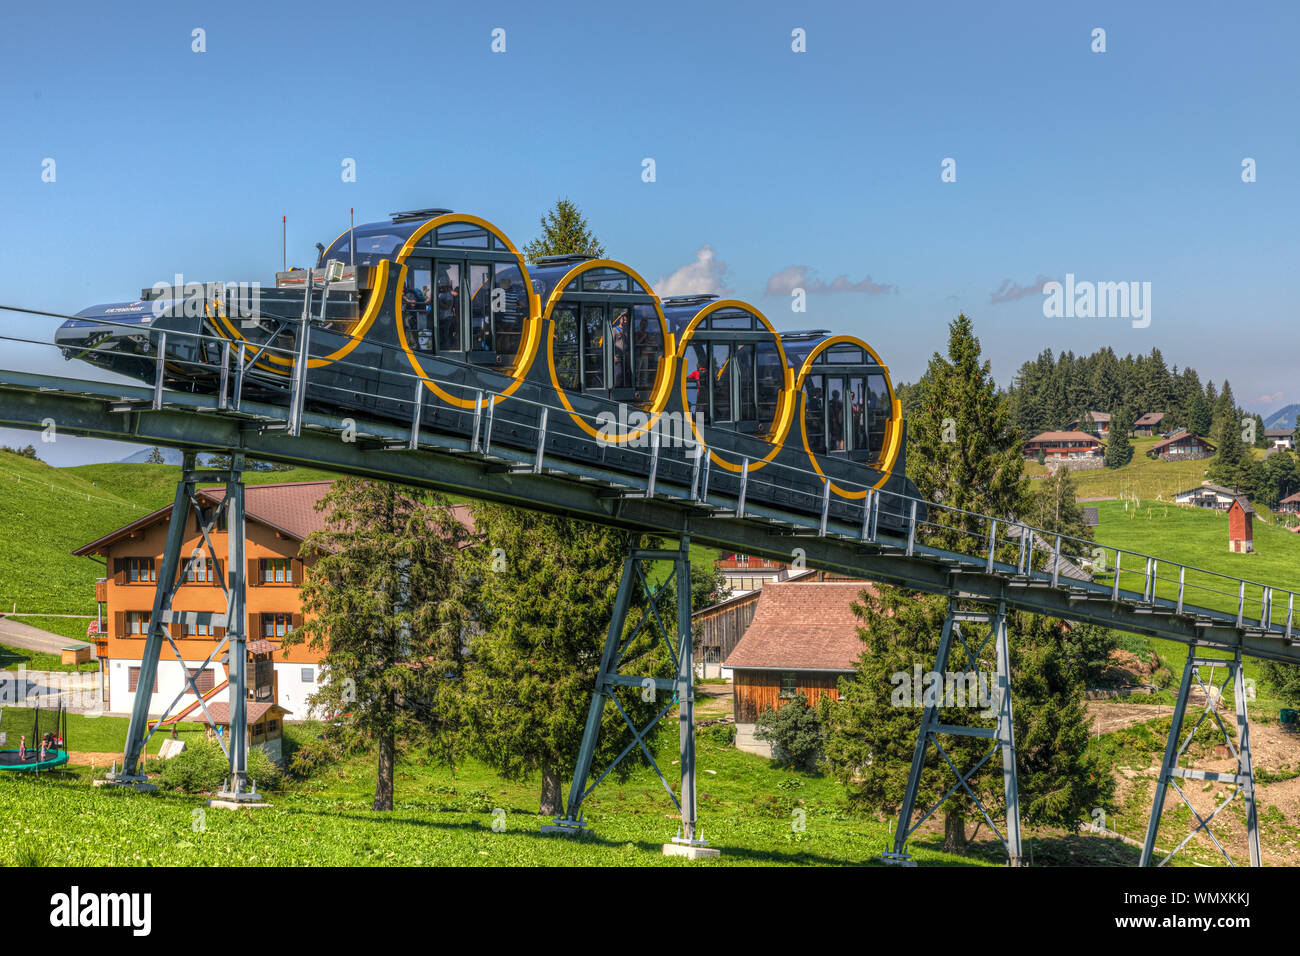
[[12, 658], [49, 512], [88, 734]]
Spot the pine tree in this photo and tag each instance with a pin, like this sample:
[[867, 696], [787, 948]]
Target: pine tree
[[1118, 449], [546, 597], [155, 456], [979, 472], [564, 232], [1052, 507], [872, 730], [385, 604]]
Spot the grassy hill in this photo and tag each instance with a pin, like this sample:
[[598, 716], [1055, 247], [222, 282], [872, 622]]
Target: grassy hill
[[48, 512], [1142, 478]]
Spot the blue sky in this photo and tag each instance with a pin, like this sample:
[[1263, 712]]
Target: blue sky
[[1115, 166]]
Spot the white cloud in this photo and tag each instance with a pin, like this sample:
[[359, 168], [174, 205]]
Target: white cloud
[[801, 277], [707, 275]]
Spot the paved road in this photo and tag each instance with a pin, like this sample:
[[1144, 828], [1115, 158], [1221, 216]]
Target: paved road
[[16, 634]]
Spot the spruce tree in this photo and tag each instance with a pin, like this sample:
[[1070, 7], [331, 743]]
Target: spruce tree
[[545, 591], [979, 472], [386, 605], [1118, 449], [564, 232]]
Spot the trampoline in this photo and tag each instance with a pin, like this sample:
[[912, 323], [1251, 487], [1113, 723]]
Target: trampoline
[[46, 749]]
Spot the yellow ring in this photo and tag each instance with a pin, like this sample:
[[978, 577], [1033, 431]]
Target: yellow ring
[[663, 377], [786, 403], [528, 350], [893, 434]]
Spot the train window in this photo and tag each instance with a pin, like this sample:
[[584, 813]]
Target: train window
[[696, 358], [846, 355], [745, 369], [447, 306], [648, 346], [480, 307], [620, 330], [857, 409], [509, 307], [417, 299], [566, 348], [593, 346], [769, 377], [731, 319], [604, 280], [814, 414], [720, 377], [835, 413], [878, 412], [465, 236]]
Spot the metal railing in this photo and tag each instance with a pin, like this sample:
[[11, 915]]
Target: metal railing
[[768, 491]]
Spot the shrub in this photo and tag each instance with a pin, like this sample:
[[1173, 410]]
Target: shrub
[[796, 733], [202, 767]]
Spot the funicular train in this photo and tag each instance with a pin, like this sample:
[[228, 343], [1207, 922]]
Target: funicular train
[[447, 299]]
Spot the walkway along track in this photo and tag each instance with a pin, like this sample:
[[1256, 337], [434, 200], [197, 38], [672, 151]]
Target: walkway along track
[[503, 474]]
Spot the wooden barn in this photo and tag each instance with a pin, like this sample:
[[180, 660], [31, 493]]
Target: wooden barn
[[1241, 526], [803, 638]]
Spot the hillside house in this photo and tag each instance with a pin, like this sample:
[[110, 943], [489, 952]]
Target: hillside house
[[1059, 446], [1181, 446], [1289, 505], [1148, 424], [744, 573], [1283, 438], [1207, 496], [1100, 424], [803, 638], [278, 518], [1241, 526]]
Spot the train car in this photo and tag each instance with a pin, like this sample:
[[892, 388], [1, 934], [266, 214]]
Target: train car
[[441, 308]]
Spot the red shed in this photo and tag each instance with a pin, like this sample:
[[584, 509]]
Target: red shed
[[1241, 531]]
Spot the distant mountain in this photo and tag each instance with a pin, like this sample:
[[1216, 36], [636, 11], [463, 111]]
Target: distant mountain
[[171, 456], [1283, 417]]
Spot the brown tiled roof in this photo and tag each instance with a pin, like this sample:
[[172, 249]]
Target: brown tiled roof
[[289, 508], [1066, 436], [1150, 418], [802, 626], [1289, 498], [253, 712], [1164, 443]]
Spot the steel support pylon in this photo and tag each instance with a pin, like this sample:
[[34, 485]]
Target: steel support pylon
[[169, 580], [1244, 778], [932, 728], [608, 678]]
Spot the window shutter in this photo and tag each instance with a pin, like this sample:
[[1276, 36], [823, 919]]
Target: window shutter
[[297, 570], [119, 623], [133, 679], [253, 576], [119, 571], [296, 621], [177, 629], [218, 573], [218, 633], [254, 627]]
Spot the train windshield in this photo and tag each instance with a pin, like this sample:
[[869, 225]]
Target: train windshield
[[846, 404]]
